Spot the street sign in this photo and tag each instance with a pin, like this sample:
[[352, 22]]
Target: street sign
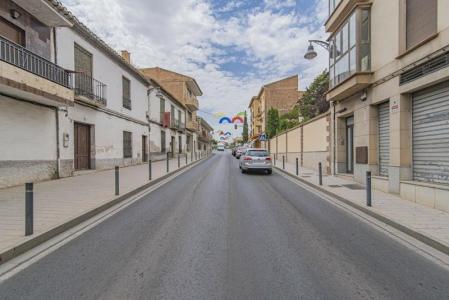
[[263, 137]]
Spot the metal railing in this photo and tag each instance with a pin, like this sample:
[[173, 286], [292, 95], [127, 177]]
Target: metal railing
[[91, 88], [22, 58]]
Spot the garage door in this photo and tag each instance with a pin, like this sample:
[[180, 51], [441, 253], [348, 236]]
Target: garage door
[[431, 135], [384, 138]]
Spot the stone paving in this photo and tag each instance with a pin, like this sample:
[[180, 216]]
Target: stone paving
[[58, 201], [425, 220]]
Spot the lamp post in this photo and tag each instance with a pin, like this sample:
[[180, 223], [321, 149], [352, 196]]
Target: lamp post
[[311, 53]]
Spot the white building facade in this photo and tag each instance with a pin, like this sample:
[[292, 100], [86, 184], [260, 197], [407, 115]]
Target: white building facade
[[107, 126]]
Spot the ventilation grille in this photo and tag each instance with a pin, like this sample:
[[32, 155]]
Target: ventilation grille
[[431, 66]]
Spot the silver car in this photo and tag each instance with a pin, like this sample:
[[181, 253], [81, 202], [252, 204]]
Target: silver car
[[255, 159]]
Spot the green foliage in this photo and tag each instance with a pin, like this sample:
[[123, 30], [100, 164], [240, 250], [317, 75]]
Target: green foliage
[[314, 99], [245, 129], [272, 122]]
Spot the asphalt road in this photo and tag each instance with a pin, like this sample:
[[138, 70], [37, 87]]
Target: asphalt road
[[214, 233]]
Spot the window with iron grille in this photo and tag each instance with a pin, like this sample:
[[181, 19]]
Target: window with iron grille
[[126, 84], [163, 147], [127, 144]]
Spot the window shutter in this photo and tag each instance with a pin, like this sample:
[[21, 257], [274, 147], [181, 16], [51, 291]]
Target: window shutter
[[126, 84], [421, 20]]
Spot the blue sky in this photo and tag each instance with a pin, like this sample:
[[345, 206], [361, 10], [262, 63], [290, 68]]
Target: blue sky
[[231, 47]]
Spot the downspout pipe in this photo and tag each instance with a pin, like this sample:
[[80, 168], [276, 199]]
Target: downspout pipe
[[335, 138]]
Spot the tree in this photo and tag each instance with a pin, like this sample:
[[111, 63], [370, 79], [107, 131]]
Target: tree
[[314, 99], [272, 122], [245, 129]]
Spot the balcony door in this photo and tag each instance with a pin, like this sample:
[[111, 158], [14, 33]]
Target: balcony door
[[83, 69]]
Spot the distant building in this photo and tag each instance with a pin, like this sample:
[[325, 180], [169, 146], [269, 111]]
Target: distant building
[[282, 95]]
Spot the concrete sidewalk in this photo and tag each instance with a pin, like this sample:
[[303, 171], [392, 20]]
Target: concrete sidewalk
[[426, 221], [56, 202]]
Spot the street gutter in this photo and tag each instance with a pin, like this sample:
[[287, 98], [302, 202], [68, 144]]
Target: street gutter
[[51, 233], [413, 233]]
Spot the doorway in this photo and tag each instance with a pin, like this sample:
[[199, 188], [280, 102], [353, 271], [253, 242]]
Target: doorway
[[144, 149], [350, 145], [172, 146], [82, 146]]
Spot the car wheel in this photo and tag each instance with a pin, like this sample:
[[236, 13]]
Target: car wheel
[[243, 171], [269, 172]]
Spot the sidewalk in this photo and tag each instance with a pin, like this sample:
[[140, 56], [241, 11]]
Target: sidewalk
[[428, 222], [56, 202]]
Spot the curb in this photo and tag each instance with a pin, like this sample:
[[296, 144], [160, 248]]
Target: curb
[[43, 237], [415, 234]]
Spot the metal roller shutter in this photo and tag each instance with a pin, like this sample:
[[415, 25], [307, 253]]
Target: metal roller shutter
[[384, 138], [431, 135]]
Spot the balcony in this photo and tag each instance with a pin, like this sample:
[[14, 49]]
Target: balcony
[[355, 83], [341, 12], [28, 76], [90, 90], [192, 125], [192, 103]]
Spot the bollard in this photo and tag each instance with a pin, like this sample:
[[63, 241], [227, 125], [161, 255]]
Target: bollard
[[283, 162], [168, 162], [117, 181], [149, 170], [29, 208], [320, 174], [186, 159], [368, 188], [297, 167], [179, 161], [196, 155], [274, 155]]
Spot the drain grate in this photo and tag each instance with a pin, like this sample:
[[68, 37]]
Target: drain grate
[[334, 185], [354, 186], [305, 176]]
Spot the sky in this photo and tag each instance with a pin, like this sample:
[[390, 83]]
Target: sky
[[231, 48]]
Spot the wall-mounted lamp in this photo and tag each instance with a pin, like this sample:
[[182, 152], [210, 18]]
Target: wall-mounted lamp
[[14, 14]]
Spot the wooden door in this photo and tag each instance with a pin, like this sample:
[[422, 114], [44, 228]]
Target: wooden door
[[144, 149], [82, 146]]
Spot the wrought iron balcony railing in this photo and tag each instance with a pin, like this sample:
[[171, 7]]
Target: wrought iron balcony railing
[[90, 88], [22, 58]]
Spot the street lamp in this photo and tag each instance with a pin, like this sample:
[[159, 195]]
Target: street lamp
[[311, 53]]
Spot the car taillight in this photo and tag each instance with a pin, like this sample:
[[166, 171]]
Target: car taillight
[[247, 158], [268, 158]]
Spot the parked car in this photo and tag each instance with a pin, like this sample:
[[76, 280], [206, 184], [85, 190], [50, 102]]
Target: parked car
[[220, 148], [256, 159]]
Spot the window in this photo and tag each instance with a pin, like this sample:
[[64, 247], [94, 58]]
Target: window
[[126, 89], [162, 109], [348, 53], [163, 146], [188, 143], [190, 116], [172, 114], [12, 32], [127, 144], [333, 5], [421, 21], [83, 69]]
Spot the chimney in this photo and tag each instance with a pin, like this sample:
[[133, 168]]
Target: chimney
[[126, 56]]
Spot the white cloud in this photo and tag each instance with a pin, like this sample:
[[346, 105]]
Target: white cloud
[[184, 35]]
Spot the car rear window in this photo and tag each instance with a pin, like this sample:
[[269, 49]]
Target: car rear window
[[258, 153]]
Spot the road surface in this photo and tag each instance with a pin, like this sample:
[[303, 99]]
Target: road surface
[[214, 233]]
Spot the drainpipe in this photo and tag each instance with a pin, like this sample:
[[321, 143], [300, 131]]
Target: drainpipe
[[334, 139], [58, 153]]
